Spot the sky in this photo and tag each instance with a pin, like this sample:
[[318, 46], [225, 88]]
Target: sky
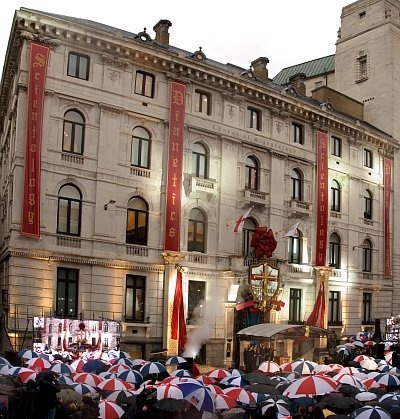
[[287, 32]]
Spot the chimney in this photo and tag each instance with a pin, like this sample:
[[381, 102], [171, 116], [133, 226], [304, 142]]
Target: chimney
[[161, 30], [260, 68], [297, 81]]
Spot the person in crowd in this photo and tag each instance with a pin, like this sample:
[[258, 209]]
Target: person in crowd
[[48, 389]]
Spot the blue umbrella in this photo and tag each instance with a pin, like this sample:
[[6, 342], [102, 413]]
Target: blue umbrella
[[198, 395], [93, 365], [60, 368], [131, 376], [370, 412], [152, 368], [175, 360], [235, 372], [65, 379], [234, 381], [83, 389], [27, 354], [181, 373]]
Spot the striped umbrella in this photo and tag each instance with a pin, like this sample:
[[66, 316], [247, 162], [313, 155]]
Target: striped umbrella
[[234, 381], [214, 388], [269, 367], [175, 360], [303, 367], [370, 412], [169, 391], [218, 373], [87, 378], [122, 361], [386, 380], [198, 395], [205, 379], [117, 368], [113, 384], [131, 376], [234, 372], [181, 373], [312, 385], [60, 368], [65, 379], [239, 394], [109, 410], [78, 364], [83, 389], [26, 375], [152, 368], [224, 402], [27, 354], [280, 406], [348, 379]]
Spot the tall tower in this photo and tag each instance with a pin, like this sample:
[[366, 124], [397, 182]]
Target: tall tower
[[368, 60]]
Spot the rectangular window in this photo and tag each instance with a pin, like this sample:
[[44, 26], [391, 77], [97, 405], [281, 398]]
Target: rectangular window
[[362, 68], [196, 298], [336, 146], [368, 158], [135, 298], [67, 292], [366, 308], [295, 305], [78, 66], [298, 133], [334, 314], [144, 84], [254, 118], [202, 102]]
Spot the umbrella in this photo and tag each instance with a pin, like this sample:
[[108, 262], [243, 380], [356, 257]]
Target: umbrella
[[222, 402], [38, 364], [113, 384], [198, 395], [130, 376], [117, 368], [390, 397], [256, 377], [175, 360], [93, 365], [234, 381], [218, 373], [109, 410], [123, 397], [387, 380], [26, 375], [169, 391], [77, 365], [61, 368], [338, 403], [262, 388], [348, 379], [83, 389], [234, 372], [303, 367], [4, 369], [369, 383], [68, 395], [280, 406], [311, 385], [215, 389], [87, 378], [239, 394], [366, 396], [152, 368], [205, 379], [65, 379], [358, 344], [122, 361], [181, 373], [269, 367], [369, 364], [360, 358], [138, 362], [14, 371], [5, 361], [27, 354], [370, 412], [173, 405]]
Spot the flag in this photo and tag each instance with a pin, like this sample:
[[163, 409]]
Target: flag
[[240, 221], [178, 326], [317, 316], [292, 230]]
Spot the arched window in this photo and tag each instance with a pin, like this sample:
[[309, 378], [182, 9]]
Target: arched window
[[368, 204], [69, 210], [196, 231], [140, 151], [137, 221], [73, 132], [249, 226], [334, 251], [295, 248], [296, 185], [367, 256], [335, 196], [199, 161], [252, 173]]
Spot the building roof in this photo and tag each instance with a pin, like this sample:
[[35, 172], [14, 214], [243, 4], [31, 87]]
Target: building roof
[[311, 68]]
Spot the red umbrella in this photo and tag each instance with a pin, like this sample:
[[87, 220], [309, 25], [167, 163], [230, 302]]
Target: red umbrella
[[239, 394], [205, 379], [269, 367], [77, 365], [222, 401], [27, 374], [109, 410], [113, 384], [38, 364], [87, 378], [118, 368], [311, 385], [219, 373]]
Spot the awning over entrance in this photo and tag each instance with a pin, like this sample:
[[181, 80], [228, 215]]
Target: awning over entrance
[[268, 330]]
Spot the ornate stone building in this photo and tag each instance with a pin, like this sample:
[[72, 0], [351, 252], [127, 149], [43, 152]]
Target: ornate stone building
[[100, 253]]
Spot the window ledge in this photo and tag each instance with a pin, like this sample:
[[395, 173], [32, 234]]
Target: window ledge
[[335, 214], [69, 241], [72, 158]]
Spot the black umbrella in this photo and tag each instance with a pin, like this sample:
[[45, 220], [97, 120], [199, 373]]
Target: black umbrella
[[258, 378], [262, 388], [173, 405], [348, 390], [337, 403]]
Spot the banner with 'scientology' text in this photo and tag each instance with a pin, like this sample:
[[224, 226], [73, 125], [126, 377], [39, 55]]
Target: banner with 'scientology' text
[[30, 224]]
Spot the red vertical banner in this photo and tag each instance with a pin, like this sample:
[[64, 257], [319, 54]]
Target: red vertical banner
[[30, 224], [322, 198], [317, 316], [174, 176], [387, 186], [178, 324]]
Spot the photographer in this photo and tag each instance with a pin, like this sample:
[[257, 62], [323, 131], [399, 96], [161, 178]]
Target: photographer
[[48, 389]]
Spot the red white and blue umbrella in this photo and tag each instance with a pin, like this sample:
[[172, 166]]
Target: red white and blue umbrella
[[27, 354], [269, 367], [312, 385], [234, 372], [181, 373], [47, 357], [239, 394], [205, 379], [87, 378], [122, 361], [113, 384], [130, 376], [369, 364], [117, 368], [83, 389], [280, 406], [109, 410], [234, 381], [105, 375], [175, 360], [198, 395], [27, 374], [370, 412], [224, 402], [5, 361], [214, 388], [169, 391], [14, 371], [348, 379], [120, 396], [61, 368], [65, 379], [78, 364], [152, 368], [138, 362]]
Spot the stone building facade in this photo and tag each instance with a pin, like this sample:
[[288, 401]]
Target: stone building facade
[[248, 143]]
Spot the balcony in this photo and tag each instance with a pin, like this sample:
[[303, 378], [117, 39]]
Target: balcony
[[253, 197], [298, 209], [200, 185]]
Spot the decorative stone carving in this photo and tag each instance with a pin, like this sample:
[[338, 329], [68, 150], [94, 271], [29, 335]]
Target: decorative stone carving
[[172, 258]]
